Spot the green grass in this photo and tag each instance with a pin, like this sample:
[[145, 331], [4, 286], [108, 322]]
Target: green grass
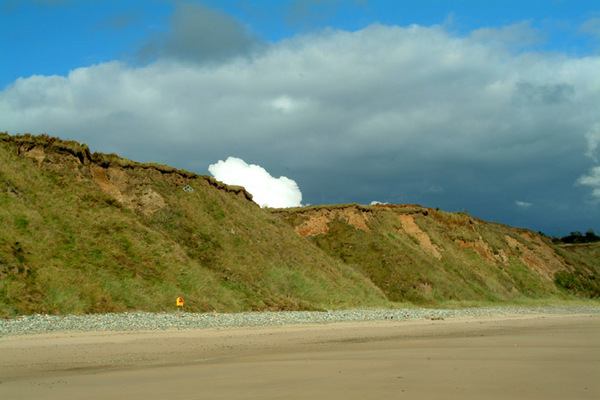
[[68, 247], [477, 267]]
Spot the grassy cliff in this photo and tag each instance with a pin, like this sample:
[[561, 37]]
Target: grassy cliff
[[431, 257], [83, 232]]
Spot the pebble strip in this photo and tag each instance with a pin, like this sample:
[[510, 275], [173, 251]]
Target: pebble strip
[[145, 321]]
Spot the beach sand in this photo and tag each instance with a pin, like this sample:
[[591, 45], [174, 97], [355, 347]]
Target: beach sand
[[529, 357]]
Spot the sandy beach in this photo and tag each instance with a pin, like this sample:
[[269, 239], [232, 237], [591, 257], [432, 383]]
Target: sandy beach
[[529, 357]]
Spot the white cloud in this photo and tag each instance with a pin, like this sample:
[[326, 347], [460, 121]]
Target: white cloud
[[375, 203], [266, 190], [286, 104], [593, 139], [523, 204], [592, 179]]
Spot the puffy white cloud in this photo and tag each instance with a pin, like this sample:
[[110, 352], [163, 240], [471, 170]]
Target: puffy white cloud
[[266, 190]]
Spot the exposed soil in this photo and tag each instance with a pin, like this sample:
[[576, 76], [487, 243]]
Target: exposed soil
[[411, 228], [537, 255], [316, 222]]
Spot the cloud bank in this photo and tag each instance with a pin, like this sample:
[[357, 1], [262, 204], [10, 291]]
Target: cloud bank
[[266, 190], [402, 114]]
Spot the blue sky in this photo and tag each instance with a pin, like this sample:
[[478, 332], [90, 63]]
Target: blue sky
[[55, 36], [489, 107]]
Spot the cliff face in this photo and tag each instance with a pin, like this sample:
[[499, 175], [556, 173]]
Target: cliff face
[[427, 256], [127, 182], [85, 232]]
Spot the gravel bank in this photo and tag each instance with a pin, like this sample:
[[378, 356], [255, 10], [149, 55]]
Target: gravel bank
[[145, 321]]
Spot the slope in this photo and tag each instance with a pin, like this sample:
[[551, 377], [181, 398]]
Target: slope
[[432, 257], [83, 233]]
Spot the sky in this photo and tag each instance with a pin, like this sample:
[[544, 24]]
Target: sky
[[485, 107]]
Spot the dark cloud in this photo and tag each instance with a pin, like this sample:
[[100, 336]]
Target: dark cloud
[[200, 34], [526, 92], [397, 115]]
